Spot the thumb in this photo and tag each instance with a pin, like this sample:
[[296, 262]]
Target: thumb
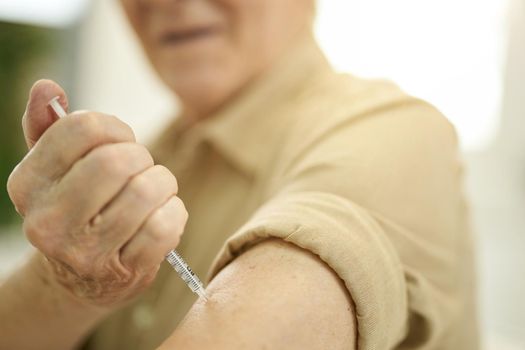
[[38, 115]]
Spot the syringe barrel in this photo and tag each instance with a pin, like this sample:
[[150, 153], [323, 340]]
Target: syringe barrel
[[184, 271]]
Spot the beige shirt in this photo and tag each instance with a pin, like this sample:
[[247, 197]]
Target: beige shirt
[[356, 171]]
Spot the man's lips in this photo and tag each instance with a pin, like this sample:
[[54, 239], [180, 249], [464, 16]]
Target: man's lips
[[186, 35]]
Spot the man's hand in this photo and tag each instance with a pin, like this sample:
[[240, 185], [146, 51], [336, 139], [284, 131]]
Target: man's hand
[[93, 202]]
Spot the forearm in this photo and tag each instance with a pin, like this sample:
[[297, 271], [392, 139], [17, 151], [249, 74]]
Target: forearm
[[35, 314], [275, 296]]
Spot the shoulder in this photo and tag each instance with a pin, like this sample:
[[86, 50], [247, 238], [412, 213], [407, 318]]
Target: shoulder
[[371, 115], [378, 147]]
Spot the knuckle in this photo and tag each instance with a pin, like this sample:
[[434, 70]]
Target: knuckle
[[174, 240], [184, 220], [40, 230], [174, 216], [141, 188], [97, 127], [182, 211], [124, 128], [171, 179], [32, 230], [122, 159], [15, 190], [140, 153], [109, 160], [158, 226], [88, 124]]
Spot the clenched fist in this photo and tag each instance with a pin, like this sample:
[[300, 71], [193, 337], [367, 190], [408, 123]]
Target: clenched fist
[[93, 202]]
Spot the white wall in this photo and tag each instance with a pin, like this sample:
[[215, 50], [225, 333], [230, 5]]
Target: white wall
[[496, 184], [448, 52]]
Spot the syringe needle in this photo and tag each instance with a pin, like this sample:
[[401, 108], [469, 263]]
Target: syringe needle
[[175, 260]]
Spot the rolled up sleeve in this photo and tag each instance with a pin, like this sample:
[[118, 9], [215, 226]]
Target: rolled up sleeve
[[345, 237], [377, 199]]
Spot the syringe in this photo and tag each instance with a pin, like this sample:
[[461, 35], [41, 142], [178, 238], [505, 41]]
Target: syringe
[[173, 258]]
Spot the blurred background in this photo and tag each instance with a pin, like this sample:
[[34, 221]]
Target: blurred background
[[464, 56]]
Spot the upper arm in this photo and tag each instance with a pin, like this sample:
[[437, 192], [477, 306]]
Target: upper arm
[[274, 296], [377, 199]]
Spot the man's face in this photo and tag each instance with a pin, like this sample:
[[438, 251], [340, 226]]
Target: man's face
[[205, 50]]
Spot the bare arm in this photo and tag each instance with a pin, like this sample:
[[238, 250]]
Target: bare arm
[[37, 314], [274, 296], [104, 216]]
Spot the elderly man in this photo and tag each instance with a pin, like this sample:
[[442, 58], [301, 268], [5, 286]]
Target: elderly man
[[327, 209]]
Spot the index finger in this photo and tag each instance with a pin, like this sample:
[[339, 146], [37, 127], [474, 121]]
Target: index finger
[[70, 138]]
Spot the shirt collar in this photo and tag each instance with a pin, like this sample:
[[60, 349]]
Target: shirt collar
[[246, 131]]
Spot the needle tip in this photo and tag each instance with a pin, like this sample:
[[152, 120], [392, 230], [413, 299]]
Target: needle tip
[[202, 294]]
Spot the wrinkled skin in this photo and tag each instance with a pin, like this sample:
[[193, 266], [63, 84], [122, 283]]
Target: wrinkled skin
[[93, 201]]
